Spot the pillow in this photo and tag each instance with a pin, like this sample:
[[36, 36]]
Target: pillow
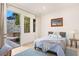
[[55, 36], [59, 36], [52, 36]]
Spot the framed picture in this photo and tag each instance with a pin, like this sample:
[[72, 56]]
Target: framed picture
[[57, 22]]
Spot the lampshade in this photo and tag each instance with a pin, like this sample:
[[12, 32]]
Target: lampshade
[[73, 33]]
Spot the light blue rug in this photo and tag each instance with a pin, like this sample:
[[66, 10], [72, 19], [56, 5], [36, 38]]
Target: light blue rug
[[31, 52]]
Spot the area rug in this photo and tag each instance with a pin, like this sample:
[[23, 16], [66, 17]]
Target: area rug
[[31, 52]]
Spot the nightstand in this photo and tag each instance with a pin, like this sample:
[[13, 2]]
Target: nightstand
[[75, 42]]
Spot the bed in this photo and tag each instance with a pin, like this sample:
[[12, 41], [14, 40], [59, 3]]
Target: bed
[[54, 42]]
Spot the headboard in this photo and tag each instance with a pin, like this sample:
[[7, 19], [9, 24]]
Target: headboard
[[63, 34]]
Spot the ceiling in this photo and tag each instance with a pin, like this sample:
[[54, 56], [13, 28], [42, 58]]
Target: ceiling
[[43, 8]]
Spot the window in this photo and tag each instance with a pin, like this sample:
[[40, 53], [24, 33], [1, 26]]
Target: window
[[17, 18], [34, 25], [26, 24], [13, 21]]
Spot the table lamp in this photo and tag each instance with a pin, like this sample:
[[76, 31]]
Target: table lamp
[[73, 32]]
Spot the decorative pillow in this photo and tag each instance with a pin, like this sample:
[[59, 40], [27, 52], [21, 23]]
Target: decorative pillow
[[52, 36], [55, 36], [58, 35]]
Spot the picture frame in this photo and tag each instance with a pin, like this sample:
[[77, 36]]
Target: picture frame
[[57, 22]]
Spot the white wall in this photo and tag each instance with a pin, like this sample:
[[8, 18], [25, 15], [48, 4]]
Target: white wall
[[38, 26], [70, 20], [25, 37]]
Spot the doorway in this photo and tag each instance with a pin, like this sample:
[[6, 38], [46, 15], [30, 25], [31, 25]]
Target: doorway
[[13, 26]]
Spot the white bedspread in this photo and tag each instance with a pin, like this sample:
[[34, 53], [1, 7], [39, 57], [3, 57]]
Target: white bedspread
[[46, 44]]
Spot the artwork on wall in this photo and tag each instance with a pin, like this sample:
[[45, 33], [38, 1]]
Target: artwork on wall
[[26, 24], [57, 22]]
